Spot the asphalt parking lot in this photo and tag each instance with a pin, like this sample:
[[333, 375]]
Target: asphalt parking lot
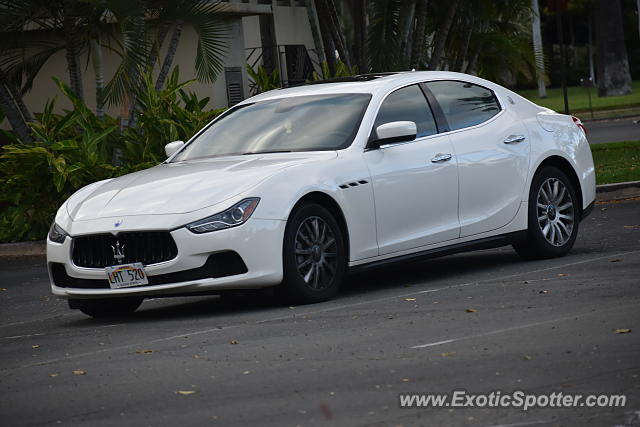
[[481, 321]]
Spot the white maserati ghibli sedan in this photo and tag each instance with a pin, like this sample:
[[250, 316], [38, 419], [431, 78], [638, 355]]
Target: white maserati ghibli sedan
[[296, 187]]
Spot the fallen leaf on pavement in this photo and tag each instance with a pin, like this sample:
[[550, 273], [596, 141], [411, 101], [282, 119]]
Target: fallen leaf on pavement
[[186, 392], [53, 375], [79, 372], [35, 346], [3, 289], [623, 331], [630, 226], [471, 310], [234, 342], [145, 351], [409, 299], [448, 353], [544, 291], [526, 357], [195, 356], [562, 275], [324, 408]]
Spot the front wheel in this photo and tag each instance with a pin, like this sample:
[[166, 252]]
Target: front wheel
[[554, 216], [314, 258], [107, 307]]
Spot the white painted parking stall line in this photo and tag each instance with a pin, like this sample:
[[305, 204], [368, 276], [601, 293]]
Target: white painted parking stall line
[[515, 328]]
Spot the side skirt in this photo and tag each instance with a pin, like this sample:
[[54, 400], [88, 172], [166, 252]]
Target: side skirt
[[475, 245]]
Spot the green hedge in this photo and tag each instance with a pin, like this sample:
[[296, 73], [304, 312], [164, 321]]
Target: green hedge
[[77, 148]]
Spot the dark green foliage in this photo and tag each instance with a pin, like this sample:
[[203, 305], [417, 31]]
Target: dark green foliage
[[76, 148]]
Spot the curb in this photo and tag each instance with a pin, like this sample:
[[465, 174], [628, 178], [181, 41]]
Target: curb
[[617, 191], [20, 249]]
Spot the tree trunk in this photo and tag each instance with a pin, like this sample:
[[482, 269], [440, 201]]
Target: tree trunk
[[336, 32], [638, 12], [613, 66], [407, 19], [472, 67], [592, 73], [98, 68], [537, 48], [13, 113], [171, 53], [419, 37], [72, 51], [462, 54], [325, 33], [360, 27], [163, 30], [312, 14], [441, 36]]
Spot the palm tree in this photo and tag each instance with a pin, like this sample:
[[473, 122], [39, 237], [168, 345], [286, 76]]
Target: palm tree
[[442, 34], [204, 17], [537, 48], [419, 38], [385, 44], [613, 65]]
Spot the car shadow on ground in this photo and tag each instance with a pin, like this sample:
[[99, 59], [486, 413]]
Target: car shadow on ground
[[371, 283]]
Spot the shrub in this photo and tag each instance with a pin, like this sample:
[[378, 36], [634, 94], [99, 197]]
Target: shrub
[[76, 148]]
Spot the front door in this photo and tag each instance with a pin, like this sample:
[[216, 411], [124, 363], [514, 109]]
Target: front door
[[416, 183]]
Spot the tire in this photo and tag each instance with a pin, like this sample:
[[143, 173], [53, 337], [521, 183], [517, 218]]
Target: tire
[[553, 218], [314, 258], [108, 307]]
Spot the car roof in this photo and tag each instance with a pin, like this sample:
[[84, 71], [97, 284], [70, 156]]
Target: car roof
[[368, 84]]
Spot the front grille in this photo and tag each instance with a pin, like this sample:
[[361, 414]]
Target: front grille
[[147, 247], [222, 264]]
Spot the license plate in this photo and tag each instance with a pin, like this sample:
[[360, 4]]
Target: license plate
[[126, 275]]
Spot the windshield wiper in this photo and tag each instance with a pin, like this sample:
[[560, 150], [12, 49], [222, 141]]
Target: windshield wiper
[[266, 152]]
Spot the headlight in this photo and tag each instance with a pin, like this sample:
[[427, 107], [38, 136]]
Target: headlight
[[236, 215], [57, 234]]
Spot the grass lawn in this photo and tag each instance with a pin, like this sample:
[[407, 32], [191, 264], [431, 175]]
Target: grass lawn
[[617, 162], [579, 100]]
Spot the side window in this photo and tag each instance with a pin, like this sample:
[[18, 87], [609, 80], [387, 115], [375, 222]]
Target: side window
[[464, 104], [409, 104]]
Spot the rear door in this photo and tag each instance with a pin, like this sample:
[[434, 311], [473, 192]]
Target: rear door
[[492, 149], [415, 183]]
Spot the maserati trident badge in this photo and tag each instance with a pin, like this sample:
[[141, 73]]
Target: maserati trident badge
[[118, 252]]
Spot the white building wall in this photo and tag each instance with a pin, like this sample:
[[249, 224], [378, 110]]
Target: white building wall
[[291, 27]]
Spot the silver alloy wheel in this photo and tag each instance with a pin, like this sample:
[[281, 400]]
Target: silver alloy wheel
[[555, 211], [316, 252]]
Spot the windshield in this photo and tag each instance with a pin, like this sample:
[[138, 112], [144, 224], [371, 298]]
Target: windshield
[[304, 123]]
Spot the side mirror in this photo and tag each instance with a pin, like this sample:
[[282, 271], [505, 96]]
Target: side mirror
[[394, 132], [172, 147]]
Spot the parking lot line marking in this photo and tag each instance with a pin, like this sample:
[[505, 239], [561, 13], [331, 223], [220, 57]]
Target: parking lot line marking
[[433, 344], [21, 336], [275, 319], [515, 328]]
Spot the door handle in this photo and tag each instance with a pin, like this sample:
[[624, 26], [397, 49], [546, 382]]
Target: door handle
[[514, 139], [441, 158]]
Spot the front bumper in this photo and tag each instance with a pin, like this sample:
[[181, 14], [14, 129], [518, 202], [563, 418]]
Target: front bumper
[[258, 243]]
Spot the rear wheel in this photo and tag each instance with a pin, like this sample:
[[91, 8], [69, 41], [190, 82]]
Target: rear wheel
[[313, 255], [554, 216], [107, 307]]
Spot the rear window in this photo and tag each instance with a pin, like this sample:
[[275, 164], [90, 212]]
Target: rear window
[[464, 104]]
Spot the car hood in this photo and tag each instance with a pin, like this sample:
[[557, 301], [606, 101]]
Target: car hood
[[182, 187]]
